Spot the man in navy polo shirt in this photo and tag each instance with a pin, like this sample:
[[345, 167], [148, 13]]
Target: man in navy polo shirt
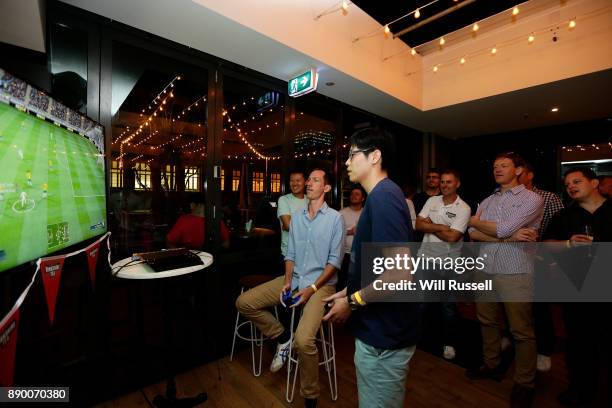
[[386, 333]]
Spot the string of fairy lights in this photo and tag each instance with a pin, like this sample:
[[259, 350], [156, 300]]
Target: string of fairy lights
[[492, 50], [584, 148]]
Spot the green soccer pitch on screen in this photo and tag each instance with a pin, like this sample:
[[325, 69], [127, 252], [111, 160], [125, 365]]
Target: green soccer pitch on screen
[[52, 176]]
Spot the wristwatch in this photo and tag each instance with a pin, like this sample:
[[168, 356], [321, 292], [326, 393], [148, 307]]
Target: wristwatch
[[352, 302]]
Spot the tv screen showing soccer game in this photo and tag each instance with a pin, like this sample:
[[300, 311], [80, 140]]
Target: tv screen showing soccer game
[[52, 179]]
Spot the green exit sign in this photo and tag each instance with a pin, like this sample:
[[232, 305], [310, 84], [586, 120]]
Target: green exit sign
[[303, 83]]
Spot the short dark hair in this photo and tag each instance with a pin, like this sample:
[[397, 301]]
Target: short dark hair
[[529, 167], [453, 172], [297, 171], [603, 177], [373, 138], [516, 158], [586, 172], [327, 176], [358, 187], [434, 170]]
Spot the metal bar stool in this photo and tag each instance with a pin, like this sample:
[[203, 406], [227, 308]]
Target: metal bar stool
[[255, 337], [326, 339]]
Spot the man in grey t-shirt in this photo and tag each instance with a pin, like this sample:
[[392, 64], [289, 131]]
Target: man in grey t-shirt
[[290, 203]]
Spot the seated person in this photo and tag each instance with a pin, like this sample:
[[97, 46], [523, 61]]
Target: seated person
[[189, 231], [314, 254]]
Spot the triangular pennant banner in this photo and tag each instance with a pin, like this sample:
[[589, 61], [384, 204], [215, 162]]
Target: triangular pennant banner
[[8, 345], [51, 270], [92, 253]]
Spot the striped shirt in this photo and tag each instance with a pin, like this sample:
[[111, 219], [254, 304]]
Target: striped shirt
[[512, 210]]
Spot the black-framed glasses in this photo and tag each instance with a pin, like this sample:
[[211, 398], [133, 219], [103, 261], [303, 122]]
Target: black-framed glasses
[[354, 152]]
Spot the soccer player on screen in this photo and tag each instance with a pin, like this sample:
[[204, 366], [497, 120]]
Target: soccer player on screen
[[29, 177], [44, 193], [24, 199]]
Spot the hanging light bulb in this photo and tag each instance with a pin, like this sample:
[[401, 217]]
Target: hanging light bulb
[[387, 31], [442, 41], [435, 68], [417, 13], [462, 61], [413, 52], [475, 27], [345, 7], [493, 50], [515, 11], [531, 38], [572, 24]]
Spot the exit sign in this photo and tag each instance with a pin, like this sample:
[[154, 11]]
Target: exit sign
[[303, 83]]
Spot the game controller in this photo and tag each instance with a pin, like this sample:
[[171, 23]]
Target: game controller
[[288, 299]]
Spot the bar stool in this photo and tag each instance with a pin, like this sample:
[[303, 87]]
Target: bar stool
[[325, 339], [256, 338]]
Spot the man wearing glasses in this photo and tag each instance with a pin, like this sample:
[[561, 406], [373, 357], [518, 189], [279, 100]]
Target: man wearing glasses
[[432, 188], [386, 333]]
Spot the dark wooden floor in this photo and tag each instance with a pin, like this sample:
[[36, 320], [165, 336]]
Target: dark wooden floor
[[432, 382]]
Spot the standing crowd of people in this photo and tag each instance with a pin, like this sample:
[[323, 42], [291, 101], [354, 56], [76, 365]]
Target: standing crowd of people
[[322, 255]]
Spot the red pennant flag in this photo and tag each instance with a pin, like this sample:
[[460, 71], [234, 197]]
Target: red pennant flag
[[51, 269], [8, 345], [92, 260]]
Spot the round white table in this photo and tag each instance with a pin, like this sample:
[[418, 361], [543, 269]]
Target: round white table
[[135, 269], [130, 269]]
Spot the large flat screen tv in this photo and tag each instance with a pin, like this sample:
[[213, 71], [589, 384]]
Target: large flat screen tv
[[52, 178]]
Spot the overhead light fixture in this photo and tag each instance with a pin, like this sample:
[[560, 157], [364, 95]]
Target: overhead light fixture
[[555, 109], [572, 24], [493, 50], [435, 68], [515, 11], [417, 13], [413, 52], [387, 31], [475, 27], [442, 41], [531, 38], [345, 7], [462, 61]]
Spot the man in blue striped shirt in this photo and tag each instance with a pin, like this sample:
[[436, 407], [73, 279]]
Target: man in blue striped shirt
[[511, 214]]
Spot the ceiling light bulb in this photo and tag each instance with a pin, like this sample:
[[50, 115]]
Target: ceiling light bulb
[[435, 68], [345, 7], [555, 109], [572, 23], [475, 27], [413, 51], [493, 50], [531, 38], [515, 10], [462, 60], [442, 41], [387, 30], [417, 13]]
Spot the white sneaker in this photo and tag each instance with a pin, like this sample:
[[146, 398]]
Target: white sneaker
[[543, 363], [505, 343], [280, 357], [449, 352]]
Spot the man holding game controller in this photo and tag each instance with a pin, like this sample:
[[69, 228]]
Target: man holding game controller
[[314, 254]]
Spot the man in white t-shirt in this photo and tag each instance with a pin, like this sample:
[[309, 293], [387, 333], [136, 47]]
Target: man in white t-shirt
[[350, 215], [444, 219], [290, 203]]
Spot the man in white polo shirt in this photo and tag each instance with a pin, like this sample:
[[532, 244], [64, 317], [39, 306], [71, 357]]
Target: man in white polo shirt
[[444, 219]]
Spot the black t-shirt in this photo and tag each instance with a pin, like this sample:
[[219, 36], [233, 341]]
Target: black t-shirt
[[385, 218], [419, 200], [571, 220]]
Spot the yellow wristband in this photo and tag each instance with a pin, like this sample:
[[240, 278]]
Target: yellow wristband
[[314, 287], [358, 298]]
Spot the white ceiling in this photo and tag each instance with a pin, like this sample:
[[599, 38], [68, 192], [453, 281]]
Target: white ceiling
[[578, 98], [22, 23]]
